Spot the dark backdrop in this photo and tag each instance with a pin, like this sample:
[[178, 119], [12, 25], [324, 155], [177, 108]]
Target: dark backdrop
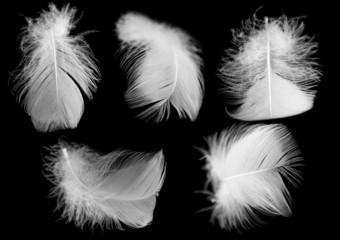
[[107, 124]]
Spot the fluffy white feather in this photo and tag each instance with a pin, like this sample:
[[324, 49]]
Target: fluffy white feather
[[163, 68], [247, 166], [119, 187], [271, 74], [56, 67]]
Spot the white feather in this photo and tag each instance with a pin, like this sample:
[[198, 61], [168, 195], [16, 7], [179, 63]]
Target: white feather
[[247, 167], [271, 75], [55, 66], [163, 68], [119, 187]]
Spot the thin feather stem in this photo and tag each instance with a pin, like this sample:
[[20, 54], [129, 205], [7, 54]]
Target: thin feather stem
[[248, 173], [176, 73], [269, 69], [55, 66]]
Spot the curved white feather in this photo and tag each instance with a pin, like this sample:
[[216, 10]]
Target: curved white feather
[[163, 68], [246, 166], [120, 187], [271, 75], [57, 67]]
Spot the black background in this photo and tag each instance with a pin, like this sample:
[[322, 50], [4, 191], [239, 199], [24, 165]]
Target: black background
[[107, 124]]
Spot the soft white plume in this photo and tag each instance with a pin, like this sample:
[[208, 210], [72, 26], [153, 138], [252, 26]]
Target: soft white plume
[[271, 74], [163, 68], [56, 68], [119, 187], [247, 166]]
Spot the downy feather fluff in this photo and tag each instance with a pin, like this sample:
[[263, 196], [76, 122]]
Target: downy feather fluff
[[119, 187], [271, 74], [163, 68], [247, 166], [57, 69]]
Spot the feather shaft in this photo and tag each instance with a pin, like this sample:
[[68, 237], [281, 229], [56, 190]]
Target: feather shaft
[[269, 71]]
